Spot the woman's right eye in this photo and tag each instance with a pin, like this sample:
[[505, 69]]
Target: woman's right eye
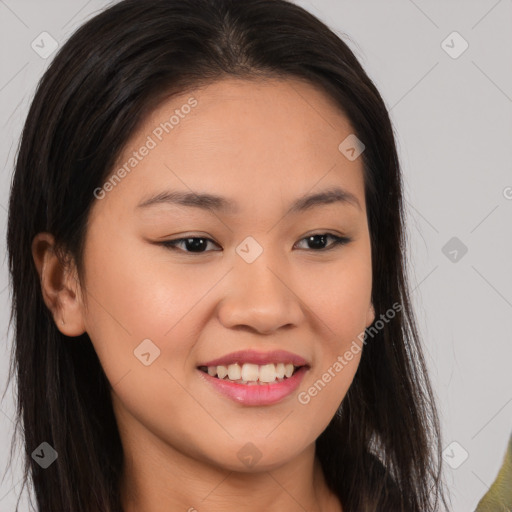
[[192, 244]]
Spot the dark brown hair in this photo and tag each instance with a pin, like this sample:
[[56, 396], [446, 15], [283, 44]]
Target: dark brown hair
[[382, 450]]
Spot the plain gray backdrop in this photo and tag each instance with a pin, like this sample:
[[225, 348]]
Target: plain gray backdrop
[[444, 70]]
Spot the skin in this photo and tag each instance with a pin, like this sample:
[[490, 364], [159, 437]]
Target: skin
[[262, 144]]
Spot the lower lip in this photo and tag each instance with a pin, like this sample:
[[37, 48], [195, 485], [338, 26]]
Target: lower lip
[[259, 394]]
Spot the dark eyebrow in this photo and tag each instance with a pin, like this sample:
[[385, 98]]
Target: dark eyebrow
[[213, 203], [332, 195]]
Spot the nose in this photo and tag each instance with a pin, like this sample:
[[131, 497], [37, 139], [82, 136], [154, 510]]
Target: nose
[[260, 298]]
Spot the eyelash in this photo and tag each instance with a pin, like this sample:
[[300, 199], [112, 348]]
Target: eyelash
[[338, 241]]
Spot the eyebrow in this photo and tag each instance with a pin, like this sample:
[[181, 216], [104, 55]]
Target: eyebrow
[[214, 203]]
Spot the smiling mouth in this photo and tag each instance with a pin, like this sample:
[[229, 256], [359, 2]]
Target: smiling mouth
[[252, 374]]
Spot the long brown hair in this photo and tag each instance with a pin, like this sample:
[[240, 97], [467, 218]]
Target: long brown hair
[[382, 450]]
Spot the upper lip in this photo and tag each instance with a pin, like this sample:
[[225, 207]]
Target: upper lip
[[259, 358]]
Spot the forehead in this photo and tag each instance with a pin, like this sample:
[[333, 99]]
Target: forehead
[[246, 139], [269, 112]]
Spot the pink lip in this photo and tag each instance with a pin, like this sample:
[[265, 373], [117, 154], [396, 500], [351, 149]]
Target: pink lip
[[258, 394], [260, 358]]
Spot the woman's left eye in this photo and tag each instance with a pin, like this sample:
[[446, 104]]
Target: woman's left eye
[[320, 239], [197, 244]]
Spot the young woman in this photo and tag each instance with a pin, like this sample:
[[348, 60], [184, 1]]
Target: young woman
[[206, 246]]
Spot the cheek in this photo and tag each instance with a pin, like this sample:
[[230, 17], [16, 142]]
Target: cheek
[[142, 311], [340, 294], [136, 286], [339, 300], [132, 298]]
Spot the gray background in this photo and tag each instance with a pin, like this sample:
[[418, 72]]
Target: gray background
[[453, 120]]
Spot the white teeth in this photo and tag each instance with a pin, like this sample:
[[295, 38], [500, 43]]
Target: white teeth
[[268, 373], [252, 374], [222, 371], [234, 371]]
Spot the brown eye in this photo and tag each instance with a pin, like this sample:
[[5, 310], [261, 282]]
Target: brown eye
[[317, 242], [191, 244]]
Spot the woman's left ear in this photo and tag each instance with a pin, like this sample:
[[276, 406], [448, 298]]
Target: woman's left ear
[[370, 317]]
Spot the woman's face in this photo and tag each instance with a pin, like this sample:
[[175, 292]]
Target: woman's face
[[250, 279]]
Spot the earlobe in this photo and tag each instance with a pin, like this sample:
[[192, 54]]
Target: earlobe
[[370, 317], [59, 286]]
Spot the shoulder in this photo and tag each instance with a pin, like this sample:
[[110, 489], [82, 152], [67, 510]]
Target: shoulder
[[499, 496]]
